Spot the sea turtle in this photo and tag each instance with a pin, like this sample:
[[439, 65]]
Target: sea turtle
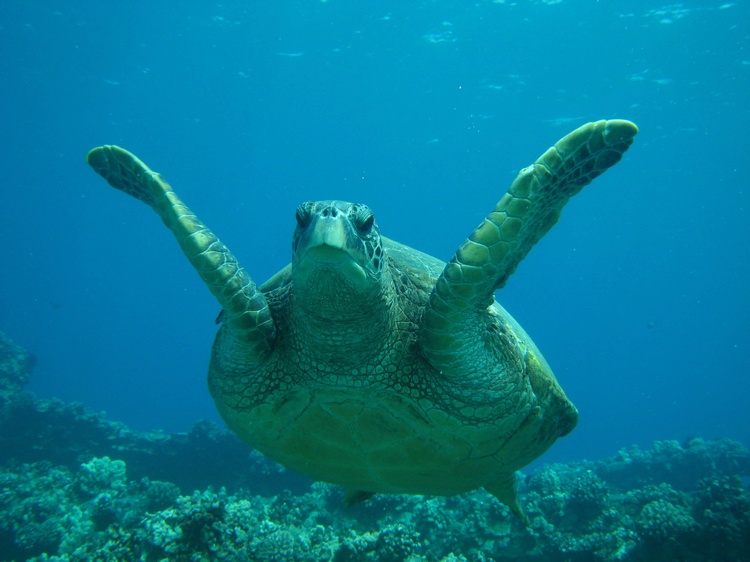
[[372, 365]]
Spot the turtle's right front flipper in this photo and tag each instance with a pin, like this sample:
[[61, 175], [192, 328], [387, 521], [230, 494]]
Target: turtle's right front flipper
[[246, 311]]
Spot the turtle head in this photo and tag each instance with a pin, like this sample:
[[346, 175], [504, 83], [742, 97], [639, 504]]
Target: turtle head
[[337, 254]]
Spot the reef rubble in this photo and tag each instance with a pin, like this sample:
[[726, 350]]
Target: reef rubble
[[75, 486]]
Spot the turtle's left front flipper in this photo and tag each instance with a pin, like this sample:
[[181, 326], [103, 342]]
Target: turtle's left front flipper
[[523, 215], [246, 311]]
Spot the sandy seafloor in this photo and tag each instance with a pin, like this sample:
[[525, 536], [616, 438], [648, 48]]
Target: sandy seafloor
[[425, 111]]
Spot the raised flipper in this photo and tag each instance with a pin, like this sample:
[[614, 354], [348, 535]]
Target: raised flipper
[[246, 311], [523, 215]]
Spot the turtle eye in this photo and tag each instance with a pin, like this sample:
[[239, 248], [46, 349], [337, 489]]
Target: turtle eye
[[302, 216], [364, 221]]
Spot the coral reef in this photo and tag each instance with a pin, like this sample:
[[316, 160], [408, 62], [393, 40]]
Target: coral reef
[[15, 368], [75, 487], [34, 429]]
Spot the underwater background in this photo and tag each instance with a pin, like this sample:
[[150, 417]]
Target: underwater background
[[425, 111]]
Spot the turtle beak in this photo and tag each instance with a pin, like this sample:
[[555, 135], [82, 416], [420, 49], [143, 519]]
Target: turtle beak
[[327, 247], [327, 242]]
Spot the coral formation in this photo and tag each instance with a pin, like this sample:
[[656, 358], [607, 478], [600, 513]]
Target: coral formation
[[15, 368], [99, 475], [94, 490]]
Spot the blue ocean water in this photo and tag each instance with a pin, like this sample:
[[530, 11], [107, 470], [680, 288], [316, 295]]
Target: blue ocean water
[[423, 110]]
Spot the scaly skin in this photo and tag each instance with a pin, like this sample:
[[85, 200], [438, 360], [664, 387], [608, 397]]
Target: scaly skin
[[371, 365]]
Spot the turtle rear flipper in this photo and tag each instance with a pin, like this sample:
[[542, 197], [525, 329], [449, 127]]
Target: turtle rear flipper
[[523, 215], [505, 489], [246, 311]]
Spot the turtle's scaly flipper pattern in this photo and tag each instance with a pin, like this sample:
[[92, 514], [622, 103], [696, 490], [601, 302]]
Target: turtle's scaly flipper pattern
[[523, 215], [247, 314]]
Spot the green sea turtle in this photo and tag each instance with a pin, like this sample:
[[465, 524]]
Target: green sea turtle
[[369, 364]]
